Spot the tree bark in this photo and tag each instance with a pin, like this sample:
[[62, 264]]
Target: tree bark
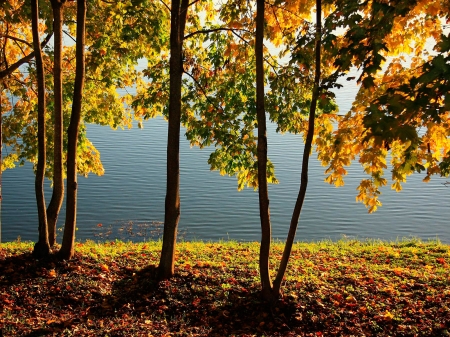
[[264, 212], [1, 157], [67, 249], [42, 247], [172, 202], [58, 179], [305, 161]]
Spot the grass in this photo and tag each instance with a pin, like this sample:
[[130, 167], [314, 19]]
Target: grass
[[344, 288]]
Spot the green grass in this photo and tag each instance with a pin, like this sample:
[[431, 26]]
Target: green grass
[[343, 288]]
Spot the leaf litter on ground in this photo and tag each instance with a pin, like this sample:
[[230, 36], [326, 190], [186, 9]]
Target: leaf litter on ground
[[344, 288]]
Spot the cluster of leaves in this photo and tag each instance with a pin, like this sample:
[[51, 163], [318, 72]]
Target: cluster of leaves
[[332, 289], [401, 109]]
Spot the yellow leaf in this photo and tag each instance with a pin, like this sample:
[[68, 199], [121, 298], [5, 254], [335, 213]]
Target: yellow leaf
[[388, 315]]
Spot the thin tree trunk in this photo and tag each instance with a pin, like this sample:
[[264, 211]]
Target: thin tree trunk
[[67, 249], [1, 157], [264, 213], [306, 152], [172, 202], [42, 247], [58, 179]]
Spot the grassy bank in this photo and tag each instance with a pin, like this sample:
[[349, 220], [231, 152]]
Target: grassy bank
[[332, 289]]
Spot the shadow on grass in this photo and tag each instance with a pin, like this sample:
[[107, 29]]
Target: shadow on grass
[[195, 302], [15, 269]]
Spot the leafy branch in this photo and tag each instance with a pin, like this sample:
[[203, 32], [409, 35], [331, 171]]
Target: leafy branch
[[201, 88], [9, 70]]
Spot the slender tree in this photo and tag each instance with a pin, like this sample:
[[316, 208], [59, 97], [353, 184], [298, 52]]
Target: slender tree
[[263, 192], [306, 153], [67, 249], [58, 177], [42, 247], [271, 292], [172, 202], [1, 156]]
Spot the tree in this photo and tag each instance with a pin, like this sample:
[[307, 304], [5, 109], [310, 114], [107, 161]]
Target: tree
[[113, 50], [67, 247], [172, 203], [42, 247], [12, 50], [263, 192], [165, 85], [58, 177], [316, 91], [269, 292]]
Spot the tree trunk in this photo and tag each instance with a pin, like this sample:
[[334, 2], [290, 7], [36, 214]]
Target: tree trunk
[[58, 179], [264, 213], [42, 247], [172, 202], [67, 249], [1, 157], [305, 161]]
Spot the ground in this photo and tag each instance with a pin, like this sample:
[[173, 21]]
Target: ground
[[345, 288]]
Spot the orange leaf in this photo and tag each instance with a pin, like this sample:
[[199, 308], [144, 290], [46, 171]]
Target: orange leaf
[[441, 260]]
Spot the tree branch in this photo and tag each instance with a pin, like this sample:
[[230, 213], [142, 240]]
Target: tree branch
[[206, 31], [17, 39], [65, 32], [165, 5], [248, 43], [9, 70], [283, 9], [201, 88], [30, 86], [193, 2]]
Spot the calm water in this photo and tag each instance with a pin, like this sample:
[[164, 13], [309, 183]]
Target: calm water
[[132, 192]]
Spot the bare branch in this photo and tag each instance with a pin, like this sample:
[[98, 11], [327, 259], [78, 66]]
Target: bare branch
[[193, 2], [17, 39], [67, 33], [165, 5], [206, 31]]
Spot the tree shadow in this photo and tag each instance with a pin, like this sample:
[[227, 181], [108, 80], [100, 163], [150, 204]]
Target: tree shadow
[[196, 303], [15, 269], [204, 301]]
